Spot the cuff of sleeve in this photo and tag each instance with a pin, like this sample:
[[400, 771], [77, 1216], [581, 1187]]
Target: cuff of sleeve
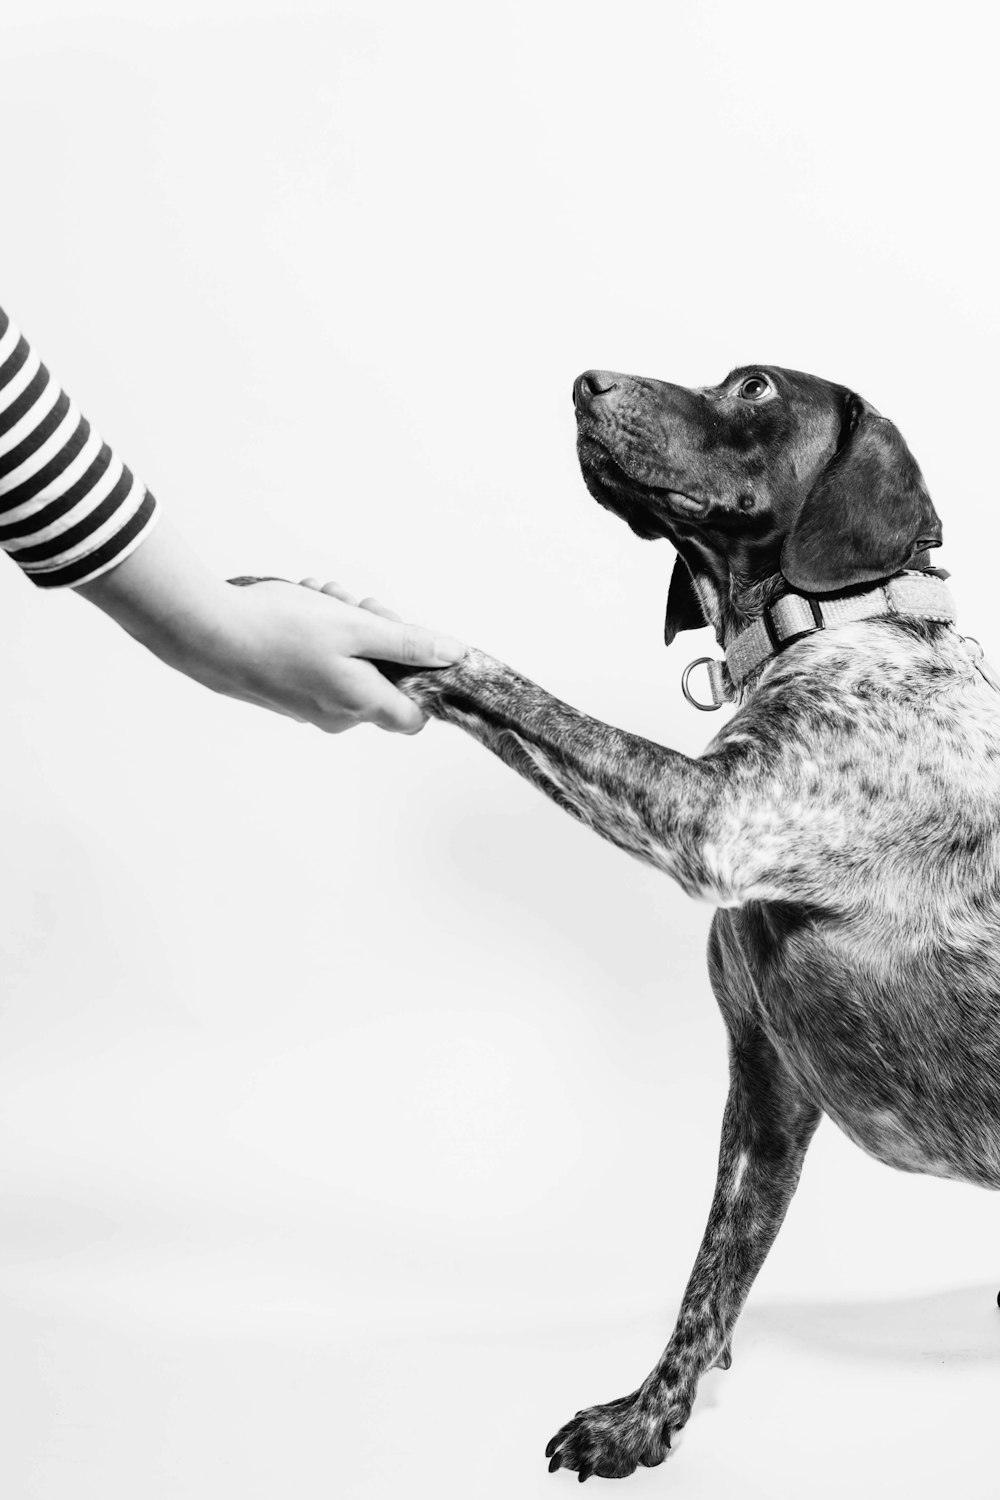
[[108, 555]]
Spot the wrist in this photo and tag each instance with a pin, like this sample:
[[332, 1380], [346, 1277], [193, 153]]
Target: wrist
[[165, 598], [206, 639]]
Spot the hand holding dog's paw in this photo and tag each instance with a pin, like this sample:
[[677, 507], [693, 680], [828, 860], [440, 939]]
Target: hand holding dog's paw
[[614, 1440], [474, 673], [319, 659]]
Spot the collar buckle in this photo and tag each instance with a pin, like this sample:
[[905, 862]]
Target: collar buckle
[[778, 640]]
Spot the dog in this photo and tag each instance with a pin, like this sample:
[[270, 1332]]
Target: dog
[[844, 822]]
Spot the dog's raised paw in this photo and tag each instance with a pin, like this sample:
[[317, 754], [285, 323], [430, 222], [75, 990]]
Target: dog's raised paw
[[614, 1440]]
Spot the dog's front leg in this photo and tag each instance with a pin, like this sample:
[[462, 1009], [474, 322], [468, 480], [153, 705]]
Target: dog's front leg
[[648, 800], [766, 1129]]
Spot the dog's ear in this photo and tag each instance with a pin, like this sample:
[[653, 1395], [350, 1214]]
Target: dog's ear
[[867, 515], [684, 611]]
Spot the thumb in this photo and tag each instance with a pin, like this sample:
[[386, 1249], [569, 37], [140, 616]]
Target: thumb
[[381, 639]]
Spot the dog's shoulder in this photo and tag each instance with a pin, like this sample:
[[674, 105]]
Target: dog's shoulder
[[901, 692], [872, 747]]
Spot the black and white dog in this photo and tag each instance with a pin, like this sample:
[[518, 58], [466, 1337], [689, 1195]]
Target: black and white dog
[[844, 822]]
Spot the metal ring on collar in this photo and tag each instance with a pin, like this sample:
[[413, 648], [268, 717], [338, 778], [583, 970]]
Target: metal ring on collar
[[706, 708]]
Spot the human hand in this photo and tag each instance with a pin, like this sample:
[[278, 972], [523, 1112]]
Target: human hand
[[314, 659]]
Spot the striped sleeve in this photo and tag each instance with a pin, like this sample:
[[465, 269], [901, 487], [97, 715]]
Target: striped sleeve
[[69, 508]]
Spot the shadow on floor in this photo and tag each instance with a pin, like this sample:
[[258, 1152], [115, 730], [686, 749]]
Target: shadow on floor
[[956, 1327]]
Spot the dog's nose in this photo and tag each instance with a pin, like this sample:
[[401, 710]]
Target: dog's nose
[[591, 384]]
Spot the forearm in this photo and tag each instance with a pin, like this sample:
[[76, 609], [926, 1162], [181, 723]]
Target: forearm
[[175, 606], [651, 801]]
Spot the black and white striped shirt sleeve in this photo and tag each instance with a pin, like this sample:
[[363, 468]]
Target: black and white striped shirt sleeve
[[69, 508]]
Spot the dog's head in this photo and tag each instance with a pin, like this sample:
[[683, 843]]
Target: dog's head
[[770, 478]]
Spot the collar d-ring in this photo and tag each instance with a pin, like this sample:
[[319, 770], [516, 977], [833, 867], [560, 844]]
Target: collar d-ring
[[714, 681]]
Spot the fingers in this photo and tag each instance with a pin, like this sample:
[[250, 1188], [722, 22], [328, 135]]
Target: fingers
[[362, 695], [384, 638], [396, 641], [402, 718], [389, 709], [376, 608], [332, 588]]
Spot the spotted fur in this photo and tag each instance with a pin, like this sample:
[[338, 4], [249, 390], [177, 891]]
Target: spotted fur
[[844, 823]]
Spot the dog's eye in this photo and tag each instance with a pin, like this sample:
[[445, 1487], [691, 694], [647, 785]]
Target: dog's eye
[[753, 388]]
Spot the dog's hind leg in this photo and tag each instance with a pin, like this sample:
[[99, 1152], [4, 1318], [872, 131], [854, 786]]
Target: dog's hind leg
[[766, 1130]]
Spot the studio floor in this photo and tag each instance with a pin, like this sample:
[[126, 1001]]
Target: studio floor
[[110, 1395]]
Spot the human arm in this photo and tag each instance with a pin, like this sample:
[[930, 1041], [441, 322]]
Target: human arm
[[304, 652], [73, 515]]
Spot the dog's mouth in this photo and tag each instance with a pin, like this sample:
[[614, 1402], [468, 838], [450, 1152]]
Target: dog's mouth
[[648, 509]]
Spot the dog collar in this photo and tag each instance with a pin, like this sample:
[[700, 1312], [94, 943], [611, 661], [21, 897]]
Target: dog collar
[[918, 595]]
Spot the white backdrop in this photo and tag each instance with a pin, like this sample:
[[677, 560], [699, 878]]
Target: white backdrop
[[358, 1111]]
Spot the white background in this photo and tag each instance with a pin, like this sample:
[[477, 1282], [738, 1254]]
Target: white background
[[358, 1111]]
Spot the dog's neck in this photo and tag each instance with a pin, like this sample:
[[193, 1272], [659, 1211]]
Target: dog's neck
[[917, 593], [732, 600]]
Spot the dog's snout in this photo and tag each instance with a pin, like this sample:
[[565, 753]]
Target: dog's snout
[[591, 384]]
